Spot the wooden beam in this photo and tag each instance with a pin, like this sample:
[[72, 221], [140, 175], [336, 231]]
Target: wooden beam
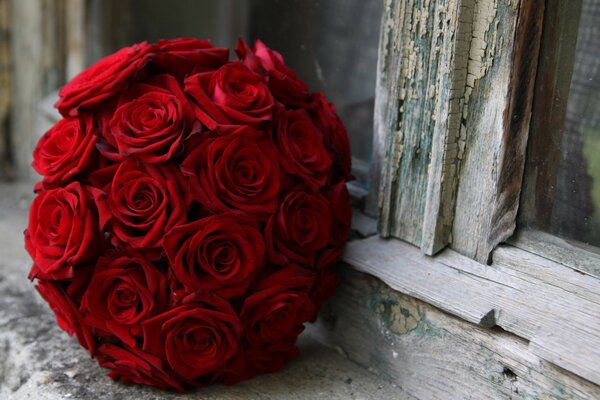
[[432, 355], [556, 309], [502, 70]]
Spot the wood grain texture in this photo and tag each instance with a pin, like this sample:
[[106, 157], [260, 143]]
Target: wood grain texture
[[433, 355], [579, 257], [406, 92], [453, 33], [454, 100], [554, 308], [502, 76]]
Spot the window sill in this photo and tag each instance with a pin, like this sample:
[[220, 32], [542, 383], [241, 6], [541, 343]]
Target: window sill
[[530, 296]]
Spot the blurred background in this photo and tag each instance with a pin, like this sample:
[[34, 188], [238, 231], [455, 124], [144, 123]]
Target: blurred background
[[332, 44]]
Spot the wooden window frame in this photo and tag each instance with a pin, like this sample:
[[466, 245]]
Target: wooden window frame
[[454, 101]]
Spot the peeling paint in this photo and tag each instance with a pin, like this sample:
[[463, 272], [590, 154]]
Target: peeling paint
[[403, 316]]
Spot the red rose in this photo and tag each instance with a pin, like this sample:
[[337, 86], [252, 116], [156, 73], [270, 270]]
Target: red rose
[[301, 150], [142, 202], [234, 172], [131, 365], [336, 137], [264, 359], [197, 337], [67, 150], [63, 230], [149, 122], [341, 211], [102, 80], [326, 283], [231, 95], [300, 227], [279, 306], [67, 313], [124, 291], [220, 253], [181, 56], [283, 82]]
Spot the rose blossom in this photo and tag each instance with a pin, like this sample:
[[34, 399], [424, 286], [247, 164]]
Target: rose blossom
[[181, 56], [102, 80], [336, 137], [131, 365], [67, 313], [196, 337], [231, 95], [263, 359], [67, 150], [125, 290], [150, 120], [300, 227], [220, 253], [63, 230], [279, 306], [236, 171], [301, 150], [140, 202], [283, 82]]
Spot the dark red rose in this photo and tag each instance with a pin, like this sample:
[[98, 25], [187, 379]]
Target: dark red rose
[[341, 211], [103, 80], [142, 202], [279, 306], [181, 56], [219, 253], [336, 137], [231, 95], [67, 150], [63, 230], [125, 291], [237, 171], [265, 359], [131, 365], [326, 282], [197, 337], [300, 227], [283, 82], [301, 150], [150, 120], [67, 313]]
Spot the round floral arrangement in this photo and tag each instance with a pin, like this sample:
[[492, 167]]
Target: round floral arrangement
[[190, 211]]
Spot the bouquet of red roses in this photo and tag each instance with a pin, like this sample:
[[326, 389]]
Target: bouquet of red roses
[[190, 211]]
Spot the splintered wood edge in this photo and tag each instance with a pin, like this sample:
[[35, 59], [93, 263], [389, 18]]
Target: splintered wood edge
[[555, 308]]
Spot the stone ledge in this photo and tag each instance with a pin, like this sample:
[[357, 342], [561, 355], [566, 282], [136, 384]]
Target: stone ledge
[[39, 361]]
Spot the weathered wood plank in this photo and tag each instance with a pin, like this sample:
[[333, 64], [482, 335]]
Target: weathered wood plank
[[433, 355], [453, 38], [455, 89], [406, 94], [585, 259], [501, 76], [527, 295]]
